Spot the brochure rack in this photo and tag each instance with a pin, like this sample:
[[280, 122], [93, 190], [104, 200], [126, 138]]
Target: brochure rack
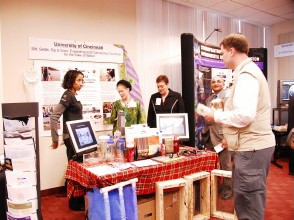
[[31, 109]]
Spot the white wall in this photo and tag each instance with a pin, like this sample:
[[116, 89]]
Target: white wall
[[274, 66], [106, 21], [1, 92]]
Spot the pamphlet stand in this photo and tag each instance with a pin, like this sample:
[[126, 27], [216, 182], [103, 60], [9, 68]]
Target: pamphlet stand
[[31, 109]]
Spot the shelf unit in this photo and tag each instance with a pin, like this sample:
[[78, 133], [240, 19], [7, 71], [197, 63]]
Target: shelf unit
[[31, 109]]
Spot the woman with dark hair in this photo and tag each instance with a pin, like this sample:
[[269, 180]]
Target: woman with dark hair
[[71, 108], [164, 101], [130, 107]]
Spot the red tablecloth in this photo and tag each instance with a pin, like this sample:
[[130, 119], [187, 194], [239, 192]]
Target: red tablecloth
[[80, 179]]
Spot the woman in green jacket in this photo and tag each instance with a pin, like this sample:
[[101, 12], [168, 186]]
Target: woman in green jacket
[[130, 107]]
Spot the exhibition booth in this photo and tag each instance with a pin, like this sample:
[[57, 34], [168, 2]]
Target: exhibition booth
[[168, 158], [139, 172]]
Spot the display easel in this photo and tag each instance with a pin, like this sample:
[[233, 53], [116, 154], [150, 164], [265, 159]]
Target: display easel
[[31, 109]]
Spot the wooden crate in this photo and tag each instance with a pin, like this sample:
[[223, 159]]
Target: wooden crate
[[204, 178]]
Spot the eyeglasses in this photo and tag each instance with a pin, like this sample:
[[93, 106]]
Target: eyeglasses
[[161, 86]]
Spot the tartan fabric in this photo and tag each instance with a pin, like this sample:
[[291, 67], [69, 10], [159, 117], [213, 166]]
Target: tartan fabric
[[80, 179]]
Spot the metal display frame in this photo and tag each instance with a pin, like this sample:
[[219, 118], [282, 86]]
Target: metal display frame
[[31, 109]]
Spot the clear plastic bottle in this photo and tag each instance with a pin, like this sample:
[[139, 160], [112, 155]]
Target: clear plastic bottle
[[110, 150], [120, 149], [102, 148]]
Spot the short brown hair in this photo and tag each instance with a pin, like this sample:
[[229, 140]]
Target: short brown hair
[[161, 78], [237, 41]]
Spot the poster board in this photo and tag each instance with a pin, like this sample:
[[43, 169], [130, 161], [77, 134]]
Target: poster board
[[102, 65]]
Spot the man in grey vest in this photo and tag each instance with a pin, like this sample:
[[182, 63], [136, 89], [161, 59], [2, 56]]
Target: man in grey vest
[[246, 128], [216, 134]]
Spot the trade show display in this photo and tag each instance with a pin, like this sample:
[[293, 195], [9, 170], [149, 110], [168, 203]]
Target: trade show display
[[259, 57], [147, 171], [200, 63]]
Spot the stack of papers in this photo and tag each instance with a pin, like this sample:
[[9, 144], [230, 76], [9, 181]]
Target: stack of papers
[[23, 216], [20, 162], [102, 170], [145, 163], [22, 208], [17, 178], [166, 159]]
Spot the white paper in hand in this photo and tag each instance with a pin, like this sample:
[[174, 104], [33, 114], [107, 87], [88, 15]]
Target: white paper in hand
[[218, 148], [202, 109]]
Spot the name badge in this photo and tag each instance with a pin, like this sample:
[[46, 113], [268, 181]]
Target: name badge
[[78, 98], [158, 101], [132, 105]]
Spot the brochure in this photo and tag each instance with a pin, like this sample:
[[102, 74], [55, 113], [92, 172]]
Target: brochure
[[22, 208], [19, 151], [21, 164], [17, 178], [21, 217], [21, 194]]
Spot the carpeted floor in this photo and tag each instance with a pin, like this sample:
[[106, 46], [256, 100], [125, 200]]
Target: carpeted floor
[[280, 196]]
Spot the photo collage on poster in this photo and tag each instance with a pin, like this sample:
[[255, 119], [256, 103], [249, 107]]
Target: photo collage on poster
[[97, 94]]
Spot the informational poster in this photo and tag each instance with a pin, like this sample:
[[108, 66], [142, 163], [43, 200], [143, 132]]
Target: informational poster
[[259, 57], [102, 64], [97, 94], [208, 64], [284, 50], [55, 49]]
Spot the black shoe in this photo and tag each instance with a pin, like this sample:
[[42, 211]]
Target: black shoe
[[77, 203], [80, 209]]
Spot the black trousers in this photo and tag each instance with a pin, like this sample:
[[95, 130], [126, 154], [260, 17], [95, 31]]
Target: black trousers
[[291, 162], [75, 203], [3, 204]]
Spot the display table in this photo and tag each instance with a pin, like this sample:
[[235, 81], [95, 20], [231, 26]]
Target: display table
[[80, 179]]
